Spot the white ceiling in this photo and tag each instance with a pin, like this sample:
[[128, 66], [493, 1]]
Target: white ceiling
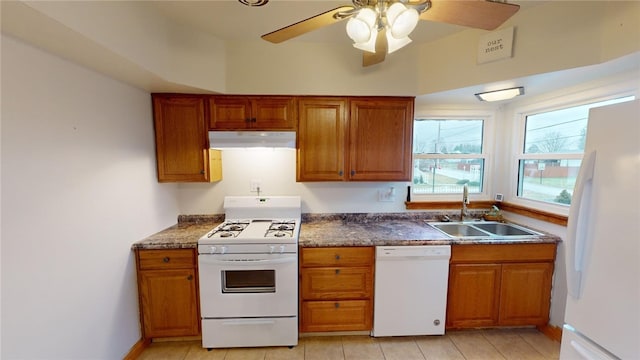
[[231, 20]]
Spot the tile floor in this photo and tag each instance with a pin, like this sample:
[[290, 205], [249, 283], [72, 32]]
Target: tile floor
[[517, 344]]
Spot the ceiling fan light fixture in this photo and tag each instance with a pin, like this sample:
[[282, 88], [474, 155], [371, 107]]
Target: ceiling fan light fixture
[[401, 20], [502, 94], [369, 45], [360, 27], [394, 43]]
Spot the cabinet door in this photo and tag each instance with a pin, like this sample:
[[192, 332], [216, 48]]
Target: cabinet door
[[345, 315], [229, 113], [321, 139], [380, 134], [181, 139], [474, 295], [336, 283], [526, 294], [252, 113], [273, 113], [169, 303]]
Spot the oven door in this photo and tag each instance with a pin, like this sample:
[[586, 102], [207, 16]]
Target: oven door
[[248, 285]]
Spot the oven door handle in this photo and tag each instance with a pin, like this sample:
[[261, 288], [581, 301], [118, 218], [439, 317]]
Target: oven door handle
[[207, 259]]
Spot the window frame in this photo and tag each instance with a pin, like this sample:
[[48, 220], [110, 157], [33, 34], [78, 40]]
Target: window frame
[[559, 103], [488, 136]]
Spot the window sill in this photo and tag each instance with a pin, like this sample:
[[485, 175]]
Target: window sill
[[535, 213], [517, 209]]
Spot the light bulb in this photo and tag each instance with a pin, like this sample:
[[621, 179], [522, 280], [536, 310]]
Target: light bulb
[[394, 43], [401, 20]]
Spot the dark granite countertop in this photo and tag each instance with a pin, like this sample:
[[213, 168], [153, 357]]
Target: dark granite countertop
[[183, 235], [388, 230], [321, 230]]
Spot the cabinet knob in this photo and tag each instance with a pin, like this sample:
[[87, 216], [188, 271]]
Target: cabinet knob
[[337, 257], [340, 172], [201, 172], [353, 172], [337, 305], [436, 322], [337, 271], [190, 277], [166, 259], [253, 119]]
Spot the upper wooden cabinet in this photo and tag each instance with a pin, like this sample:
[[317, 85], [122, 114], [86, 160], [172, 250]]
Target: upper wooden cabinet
[[252, 113], [355, 139], [380, 137], [182, 145], [322, 129]]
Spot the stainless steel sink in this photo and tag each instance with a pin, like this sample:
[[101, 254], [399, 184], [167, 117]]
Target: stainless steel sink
[[502, 229], [459, 230], [483, 229]]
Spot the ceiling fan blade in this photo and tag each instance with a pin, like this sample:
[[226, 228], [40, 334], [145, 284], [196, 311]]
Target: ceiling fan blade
[[369, 58], [479, 14], [304, 26]]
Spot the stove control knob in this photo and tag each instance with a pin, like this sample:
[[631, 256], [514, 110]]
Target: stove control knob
[[271, 249], [212, 250], [282, 247], [223, 250]]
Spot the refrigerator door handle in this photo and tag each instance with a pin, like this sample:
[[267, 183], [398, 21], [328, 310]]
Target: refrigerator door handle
[[584, 352], [577, 231]]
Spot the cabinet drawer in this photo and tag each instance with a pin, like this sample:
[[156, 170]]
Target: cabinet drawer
[[166, 259], [337, 256], [336, 283], [348, 315], [481, 253]]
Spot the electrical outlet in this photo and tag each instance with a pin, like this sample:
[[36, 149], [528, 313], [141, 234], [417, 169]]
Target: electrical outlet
[[387, 195], [255, 185]]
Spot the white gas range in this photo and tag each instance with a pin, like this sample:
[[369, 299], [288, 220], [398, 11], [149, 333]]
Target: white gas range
[[248, 269]]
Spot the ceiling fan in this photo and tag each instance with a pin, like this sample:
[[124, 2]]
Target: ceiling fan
[[379, 27]]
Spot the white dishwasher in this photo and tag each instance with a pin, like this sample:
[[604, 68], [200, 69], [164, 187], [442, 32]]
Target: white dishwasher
[[410, 295]]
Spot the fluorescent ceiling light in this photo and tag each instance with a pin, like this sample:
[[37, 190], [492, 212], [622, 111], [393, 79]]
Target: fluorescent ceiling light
[[503, 94]]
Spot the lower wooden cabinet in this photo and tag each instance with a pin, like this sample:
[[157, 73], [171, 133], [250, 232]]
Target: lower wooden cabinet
[[167, 287], [336, 289], [500, 285]]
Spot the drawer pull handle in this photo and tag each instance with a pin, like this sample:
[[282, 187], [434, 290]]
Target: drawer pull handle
[[337, 305], [166, 259], [337, 257], [337, 271]]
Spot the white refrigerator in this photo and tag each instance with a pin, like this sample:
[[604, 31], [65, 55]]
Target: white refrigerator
[[602, 318]]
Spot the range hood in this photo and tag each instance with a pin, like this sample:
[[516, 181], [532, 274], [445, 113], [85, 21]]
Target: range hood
[[247, 139]]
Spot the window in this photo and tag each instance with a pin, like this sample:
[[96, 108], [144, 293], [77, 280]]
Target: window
[[552, 152], [448, 153]]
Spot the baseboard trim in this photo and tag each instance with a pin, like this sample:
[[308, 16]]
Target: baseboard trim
[[137, 349], [552, 332]]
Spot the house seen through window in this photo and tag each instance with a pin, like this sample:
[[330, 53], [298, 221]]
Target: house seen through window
[[447, 153]]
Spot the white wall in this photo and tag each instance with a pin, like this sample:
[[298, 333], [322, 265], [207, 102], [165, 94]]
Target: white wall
[[276, 169], [78, 188]]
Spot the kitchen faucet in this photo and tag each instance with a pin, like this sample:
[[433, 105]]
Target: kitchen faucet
[[465, 201]]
